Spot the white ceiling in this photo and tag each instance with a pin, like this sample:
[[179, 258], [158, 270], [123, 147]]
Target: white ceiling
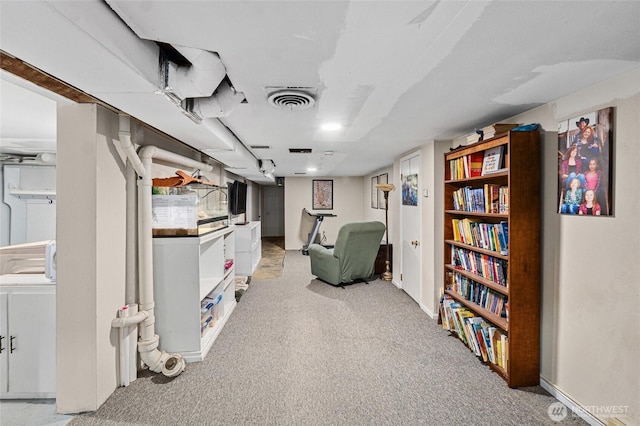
[[396, 74]]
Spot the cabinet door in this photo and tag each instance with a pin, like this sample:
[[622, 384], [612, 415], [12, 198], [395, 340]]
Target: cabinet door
[[32, 364], [4, 344]]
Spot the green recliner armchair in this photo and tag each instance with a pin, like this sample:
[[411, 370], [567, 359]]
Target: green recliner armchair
[[353, 255]]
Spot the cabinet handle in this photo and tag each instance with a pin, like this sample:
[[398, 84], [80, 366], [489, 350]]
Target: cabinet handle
[[1, 348], [12, 348]]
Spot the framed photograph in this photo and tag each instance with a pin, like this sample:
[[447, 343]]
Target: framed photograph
[[585, 164], [374, 192], [322, 194], [410, 190], [383, 178]]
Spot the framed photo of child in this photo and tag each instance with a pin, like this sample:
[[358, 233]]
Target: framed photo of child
[[585, 164]]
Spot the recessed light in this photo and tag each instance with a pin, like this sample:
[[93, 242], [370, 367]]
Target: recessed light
[[331, 126], [312, 169]]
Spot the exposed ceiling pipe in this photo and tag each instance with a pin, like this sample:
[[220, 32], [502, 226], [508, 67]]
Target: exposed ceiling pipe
[[200, 79], [220, 104]]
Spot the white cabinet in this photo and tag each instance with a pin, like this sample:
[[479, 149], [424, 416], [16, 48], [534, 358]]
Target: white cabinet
[[28, 337], [187, 272], [248, 247]]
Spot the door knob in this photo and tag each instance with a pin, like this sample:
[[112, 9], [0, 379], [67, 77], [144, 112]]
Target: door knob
[[415, 243]]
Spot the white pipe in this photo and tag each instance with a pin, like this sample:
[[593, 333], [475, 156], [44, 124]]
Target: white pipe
[[158, 361], [132, 236], [150, 152], [124, 349], [130, 319], [125, 142], [169, 365], [201, 78], [131, 335]]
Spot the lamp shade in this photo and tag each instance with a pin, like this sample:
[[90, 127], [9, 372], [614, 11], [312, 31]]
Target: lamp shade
[[385, 187]]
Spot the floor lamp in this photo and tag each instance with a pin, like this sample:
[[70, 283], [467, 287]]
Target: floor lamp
[[386, 188]]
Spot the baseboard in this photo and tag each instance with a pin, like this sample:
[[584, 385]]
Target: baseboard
[[426, 310], [575, 408]]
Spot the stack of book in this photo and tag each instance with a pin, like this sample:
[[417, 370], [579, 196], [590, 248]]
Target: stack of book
[[493, 129], [473, 138]]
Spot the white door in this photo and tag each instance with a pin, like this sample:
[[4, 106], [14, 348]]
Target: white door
[[410, 225]]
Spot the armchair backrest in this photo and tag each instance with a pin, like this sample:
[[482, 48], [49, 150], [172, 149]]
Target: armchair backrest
[[356, 248]]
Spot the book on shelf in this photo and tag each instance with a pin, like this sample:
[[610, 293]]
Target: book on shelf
[[504, 200], [501, 230], [492, 161], [476, 160], [491, 198]]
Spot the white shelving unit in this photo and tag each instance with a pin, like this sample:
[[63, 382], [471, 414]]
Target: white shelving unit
[[28, 337], [186, 270], [248, 247]]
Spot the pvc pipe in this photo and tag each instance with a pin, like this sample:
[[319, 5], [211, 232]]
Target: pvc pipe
[[124, 349], [131, 334], [125, 141], [150, 152], [129, 320], [160, 362], [132, 237]]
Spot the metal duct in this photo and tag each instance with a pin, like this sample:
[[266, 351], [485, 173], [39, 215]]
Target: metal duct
[[220, 104], [198, 80]]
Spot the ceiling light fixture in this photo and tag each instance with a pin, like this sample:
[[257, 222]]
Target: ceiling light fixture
[[331, 126]]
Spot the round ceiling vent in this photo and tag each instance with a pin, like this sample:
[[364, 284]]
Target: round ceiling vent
[[291, 100]]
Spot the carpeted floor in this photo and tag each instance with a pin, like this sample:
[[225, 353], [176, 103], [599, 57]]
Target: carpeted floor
[[297, 351]]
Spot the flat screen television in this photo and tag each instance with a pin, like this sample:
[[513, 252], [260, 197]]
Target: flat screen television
[[238, 197]]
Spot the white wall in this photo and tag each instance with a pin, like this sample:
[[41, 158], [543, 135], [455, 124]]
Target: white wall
[[349, 194], [590, 287], [591, 265]]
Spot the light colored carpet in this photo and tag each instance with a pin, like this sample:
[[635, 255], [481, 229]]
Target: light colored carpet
[[297, 351]]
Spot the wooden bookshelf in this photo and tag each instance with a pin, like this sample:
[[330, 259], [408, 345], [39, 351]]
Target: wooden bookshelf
[[469, 278]]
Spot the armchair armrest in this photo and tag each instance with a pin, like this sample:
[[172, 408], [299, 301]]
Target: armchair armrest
[[324, 264]]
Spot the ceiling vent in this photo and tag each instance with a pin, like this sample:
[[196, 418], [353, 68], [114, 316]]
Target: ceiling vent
[[300, 150], [260, 146], [291, 98]]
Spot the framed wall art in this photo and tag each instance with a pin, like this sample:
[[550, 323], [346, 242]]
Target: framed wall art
[[383, 178], [374, 192], [585, 164], [322, 194]]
